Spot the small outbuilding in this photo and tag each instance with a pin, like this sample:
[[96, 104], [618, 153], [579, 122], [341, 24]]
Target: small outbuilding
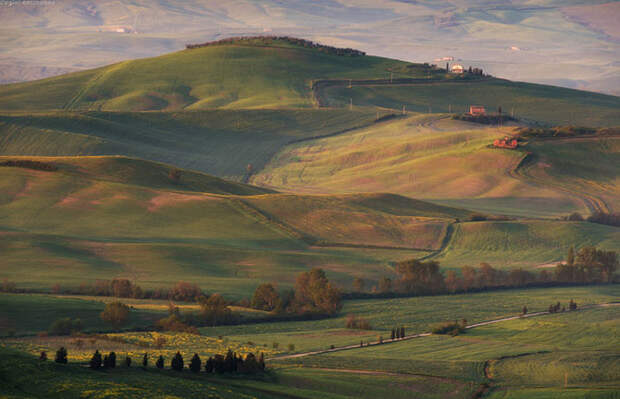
[[477, 110], [457, 68]]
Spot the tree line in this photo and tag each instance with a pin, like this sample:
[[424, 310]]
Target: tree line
[[268, 40], [219, 364], [589, 265]]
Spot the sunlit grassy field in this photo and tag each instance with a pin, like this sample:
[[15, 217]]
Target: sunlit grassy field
[[426, 157], [527, 243]]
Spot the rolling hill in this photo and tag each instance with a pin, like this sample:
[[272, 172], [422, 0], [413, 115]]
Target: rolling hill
[[433, 158]]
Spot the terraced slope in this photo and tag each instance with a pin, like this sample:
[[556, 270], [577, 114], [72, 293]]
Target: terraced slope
[[426, 157]]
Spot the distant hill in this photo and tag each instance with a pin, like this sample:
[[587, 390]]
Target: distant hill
[[246, 75]]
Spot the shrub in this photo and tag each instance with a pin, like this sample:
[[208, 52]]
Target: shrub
[[355, 322], [291, 347], [115, 313], [43, 356], [65, 326], [61, 355], [451, 328]]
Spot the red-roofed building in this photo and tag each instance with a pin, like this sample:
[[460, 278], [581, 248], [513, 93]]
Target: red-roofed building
[[477, 110]]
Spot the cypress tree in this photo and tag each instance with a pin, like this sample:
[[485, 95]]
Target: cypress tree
[[160, 362], [43, 356], [195, 364], [61, 355], [570, 259], [393, 334], [402, 332], [229, 362], [145, 360], [112, 358], [177, 362], [261, 361], [95, 361], [209, 365], [127, 361]]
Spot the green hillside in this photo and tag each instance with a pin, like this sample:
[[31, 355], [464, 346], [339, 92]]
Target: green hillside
[[100, 217], [227, 76], [220, 142], [428, 157], [544, 104], [523, 243]]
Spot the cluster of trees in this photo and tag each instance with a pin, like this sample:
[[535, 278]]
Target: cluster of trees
[[487, 119], [610, 219], [124, 288], [453, 328], [398, 333], [589, 265], [313, 294], [268, 40], [29, 164], [572, 305], [564, 131]]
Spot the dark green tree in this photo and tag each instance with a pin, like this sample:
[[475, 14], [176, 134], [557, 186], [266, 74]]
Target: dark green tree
[[61, 355], [177, 362], [402, 332], [127, 361], [393, 334], [570, 258], [160, 362], [524, 311], [195, 364], [229, 362], [145, 360], [43, 356], [209, 365], [261, 361], [95, 361]]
